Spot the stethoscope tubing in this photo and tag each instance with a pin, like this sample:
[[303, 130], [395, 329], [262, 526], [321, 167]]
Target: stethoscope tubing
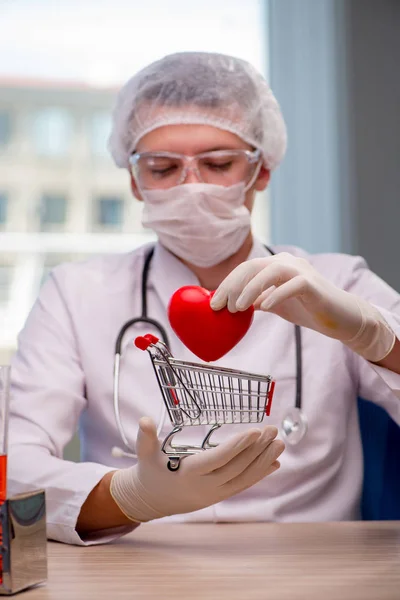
[[144, 318]]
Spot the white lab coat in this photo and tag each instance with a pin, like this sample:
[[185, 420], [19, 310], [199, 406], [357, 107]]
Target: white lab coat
[[63, 375]]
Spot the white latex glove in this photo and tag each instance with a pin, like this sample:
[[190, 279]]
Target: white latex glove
[[290, 287], [149, 490]]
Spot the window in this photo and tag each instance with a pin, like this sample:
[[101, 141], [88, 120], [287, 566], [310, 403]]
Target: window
[[3, 208], [57, 119], [52, 131], [52, 211], [100, 128], [109, 212], [5, 128], [6, 274]]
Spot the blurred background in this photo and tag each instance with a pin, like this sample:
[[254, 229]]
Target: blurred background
[[333, 65], [61, 64]]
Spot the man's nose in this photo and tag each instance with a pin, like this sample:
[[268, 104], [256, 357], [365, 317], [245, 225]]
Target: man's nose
[[192, 176]]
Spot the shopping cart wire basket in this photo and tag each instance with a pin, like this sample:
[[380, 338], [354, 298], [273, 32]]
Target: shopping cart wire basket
[[199, 394]]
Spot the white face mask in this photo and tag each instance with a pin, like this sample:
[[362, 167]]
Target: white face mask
[[201, 223]]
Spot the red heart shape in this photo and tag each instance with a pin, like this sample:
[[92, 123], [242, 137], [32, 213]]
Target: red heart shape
[[207, 333]]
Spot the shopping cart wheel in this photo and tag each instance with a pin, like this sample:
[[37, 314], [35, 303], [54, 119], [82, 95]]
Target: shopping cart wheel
[[174, 463]]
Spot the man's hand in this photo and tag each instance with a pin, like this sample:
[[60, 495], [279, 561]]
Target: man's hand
[[291, 288], [149, 490]]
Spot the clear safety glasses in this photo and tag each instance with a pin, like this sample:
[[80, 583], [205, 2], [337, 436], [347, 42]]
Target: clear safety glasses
[[162, 170]]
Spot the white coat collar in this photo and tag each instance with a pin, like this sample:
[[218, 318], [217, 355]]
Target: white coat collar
[[168, 273]]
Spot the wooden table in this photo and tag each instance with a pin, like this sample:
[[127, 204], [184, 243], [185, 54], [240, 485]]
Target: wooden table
[[324, 561]]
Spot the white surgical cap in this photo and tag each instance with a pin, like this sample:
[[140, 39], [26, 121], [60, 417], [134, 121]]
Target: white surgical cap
[[198, 88]]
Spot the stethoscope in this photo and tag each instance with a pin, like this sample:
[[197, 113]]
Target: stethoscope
[[294, 422]]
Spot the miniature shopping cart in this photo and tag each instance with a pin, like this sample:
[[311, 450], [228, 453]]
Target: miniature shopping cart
[[198, 394]]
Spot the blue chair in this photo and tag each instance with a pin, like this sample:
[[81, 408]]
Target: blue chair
[[381, 447]]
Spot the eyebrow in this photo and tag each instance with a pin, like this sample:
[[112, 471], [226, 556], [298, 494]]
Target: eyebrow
[[212, 149], [218, 148]]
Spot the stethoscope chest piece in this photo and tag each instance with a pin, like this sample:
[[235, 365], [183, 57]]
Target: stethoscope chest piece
[[293, 427]]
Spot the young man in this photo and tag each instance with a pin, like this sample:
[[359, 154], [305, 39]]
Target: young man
[[200, 134]]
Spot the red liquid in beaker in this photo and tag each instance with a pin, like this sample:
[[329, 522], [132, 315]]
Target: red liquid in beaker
[[3, 494], [3, 477]]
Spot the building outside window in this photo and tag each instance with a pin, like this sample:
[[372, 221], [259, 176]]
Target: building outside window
[[52, 131], [6, 274], [109, 212], [52, 212], [56, 106], [3, 208], [5, 128], [100, 128]]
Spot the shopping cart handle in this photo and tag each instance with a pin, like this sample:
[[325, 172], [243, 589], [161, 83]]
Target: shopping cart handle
[[269, 399], [144, 341]]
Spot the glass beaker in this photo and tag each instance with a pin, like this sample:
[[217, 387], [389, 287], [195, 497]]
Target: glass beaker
[[4, 406]]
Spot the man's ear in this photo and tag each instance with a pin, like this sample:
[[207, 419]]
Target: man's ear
[[134, 188], [262, 179]]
